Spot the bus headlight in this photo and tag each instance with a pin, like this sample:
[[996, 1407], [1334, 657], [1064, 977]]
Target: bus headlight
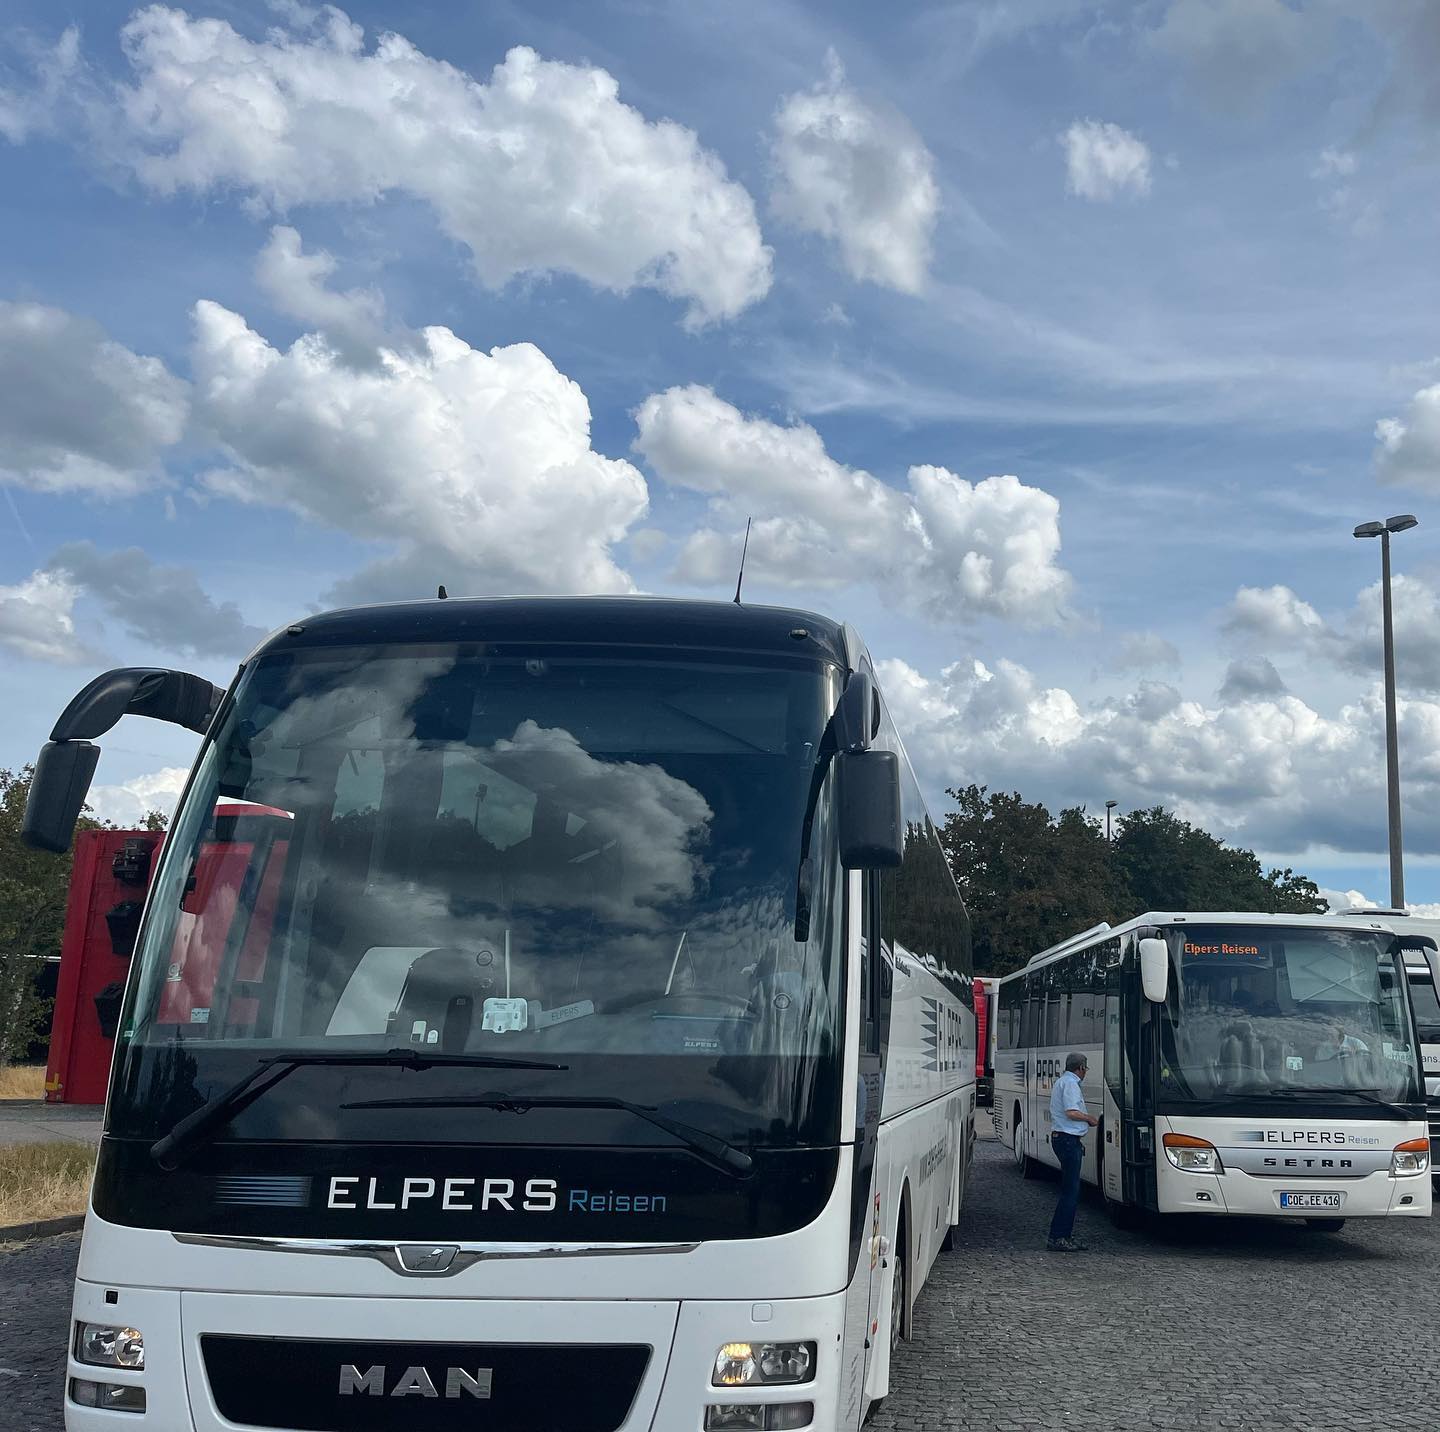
[[103, 1346], [1192, 1155], [743, 1364], [1410, 1158]]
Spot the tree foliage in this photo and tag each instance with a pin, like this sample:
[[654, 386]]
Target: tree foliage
[[1032, 879], [33, 886]]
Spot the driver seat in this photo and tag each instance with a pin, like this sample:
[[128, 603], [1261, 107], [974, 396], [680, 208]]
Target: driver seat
[[438, 1001]]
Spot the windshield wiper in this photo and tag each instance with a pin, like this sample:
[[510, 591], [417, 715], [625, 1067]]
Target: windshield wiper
[[1371, 1096], [710, 1147], [194, 1129]]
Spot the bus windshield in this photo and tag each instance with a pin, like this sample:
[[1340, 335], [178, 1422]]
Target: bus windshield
[[1289, 1012], [590, 863]]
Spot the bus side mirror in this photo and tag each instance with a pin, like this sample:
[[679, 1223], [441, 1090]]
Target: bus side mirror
[[57, 791], [66, 763], [1155, 969], [872, 834]]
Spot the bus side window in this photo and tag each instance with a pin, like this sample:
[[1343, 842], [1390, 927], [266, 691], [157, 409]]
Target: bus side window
[[1031, 1011]]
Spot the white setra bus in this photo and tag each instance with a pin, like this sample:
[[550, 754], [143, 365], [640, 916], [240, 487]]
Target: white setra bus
[[546, 1013], [1421, 934], [1240, 1063]]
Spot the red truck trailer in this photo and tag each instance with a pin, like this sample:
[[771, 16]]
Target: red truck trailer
[[107, 891], [985, 991], [108, 885]]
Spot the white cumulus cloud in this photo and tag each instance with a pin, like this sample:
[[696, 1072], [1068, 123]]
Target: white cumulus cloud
[[949, 548], [539, 167], [1409, 447], [79, 411], [1264, 769], [127, 803], [37, 619], [297, 283], [474, 468], [860, 176], [1276, 620], [1103, 161]]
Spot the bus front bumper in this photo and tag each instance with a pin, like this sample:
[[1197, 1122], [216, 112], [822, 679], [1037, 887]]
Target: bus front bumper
[[1278, 1169], [216, 1361]]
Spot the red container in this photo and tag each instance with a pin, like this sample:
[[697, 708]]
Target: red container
[[107, 889]]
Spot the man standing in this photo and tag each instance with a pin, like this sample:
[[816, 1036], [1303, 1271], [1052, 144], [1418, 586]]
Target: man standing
[[1069, 1122]]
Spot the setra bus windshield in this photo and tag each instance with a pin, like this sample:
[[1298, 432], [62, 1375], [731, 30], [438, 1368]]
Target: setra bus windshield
[[618, 870], [1290, 1012]]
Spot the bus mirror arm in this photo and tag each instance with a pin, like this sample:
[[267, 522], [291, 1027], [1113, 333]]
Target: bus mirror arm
[[67, 761], [1155, 969]]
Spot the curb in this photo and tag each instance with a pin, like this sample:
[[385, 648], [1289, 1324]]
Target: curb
[[45, 1228]]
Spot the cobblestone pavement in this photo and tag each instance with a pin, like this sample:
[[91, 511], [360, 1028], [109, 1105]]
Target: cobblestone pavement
[[35, 1283], [1221, 1324]]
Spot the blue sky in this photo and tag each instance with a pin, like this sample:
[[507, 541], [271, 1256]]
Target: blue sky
[[1046, 341]]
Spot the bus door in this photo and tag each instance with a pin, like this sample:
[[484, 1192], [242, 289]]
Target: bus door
[[1138, 1028]]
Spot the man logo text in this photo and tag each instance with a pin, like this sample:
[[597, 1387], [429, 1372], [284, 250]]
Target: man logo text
[[414, 1382]]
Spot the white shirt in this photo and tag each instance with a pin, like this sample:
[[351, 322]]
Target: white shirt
[[1066, 1095]]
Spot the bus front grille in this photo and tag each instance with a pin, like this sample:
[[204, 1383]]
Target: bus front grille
[[340, 1385]]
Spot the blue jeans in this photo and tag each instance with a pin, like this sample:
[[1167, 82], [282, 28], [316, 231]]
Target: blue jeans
[[1070, 1151]]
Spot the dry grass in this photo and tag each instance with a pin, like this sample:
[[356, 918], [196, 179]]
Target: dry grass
[[22, 1081], [43, 1181]]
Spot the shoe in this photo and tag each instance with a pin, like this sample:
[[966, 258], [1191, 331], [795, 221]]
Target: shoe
[[1059, 1245]]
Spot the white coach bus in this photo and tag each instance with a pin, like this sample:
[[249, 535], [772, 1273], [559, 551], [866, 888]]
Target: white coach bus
[[1239, 1063], [1421, 934], [546, 1013]]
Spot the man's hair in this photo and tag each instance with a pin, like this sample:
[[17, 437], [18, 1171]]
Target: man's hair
[[1075, 1062]]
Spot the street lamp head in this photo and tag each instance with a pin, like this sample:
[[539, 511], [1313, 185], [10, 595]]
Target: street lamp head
[[1369, 529], [1403, 523], [1110, 805]]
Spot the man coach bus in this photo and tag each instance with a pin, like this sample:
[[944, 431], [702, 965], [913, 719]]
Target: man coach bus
[[575, 1019]]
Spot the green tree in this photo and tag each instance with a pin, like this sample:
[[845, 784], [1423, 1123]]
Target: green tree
[[1165, 863], [33, 887], [1029, 878]]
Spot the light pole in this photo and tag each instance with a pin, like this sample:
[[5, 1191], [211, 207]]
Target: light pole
[[1109, 806], [1382, 530]]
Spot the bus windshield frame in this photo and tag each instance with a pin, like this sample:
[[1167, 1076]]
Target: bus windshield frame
[[424, 847], [1292, 1017]]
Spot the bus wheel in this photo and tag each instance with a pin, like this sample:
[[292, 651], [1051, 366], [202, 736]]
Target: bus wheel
[[1325, 1225], [1017, 1149], [899, 1287]]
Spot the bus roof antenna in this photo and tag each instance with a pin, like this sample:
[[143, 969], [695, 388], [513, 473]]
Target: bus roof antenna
[[442, 594], [740, 579]]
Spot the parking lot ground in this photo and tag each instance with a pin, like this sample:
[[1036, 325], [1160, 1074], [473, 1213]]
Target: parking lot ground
[[1202, 1323], [1220, 1323], [35, 1283]]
